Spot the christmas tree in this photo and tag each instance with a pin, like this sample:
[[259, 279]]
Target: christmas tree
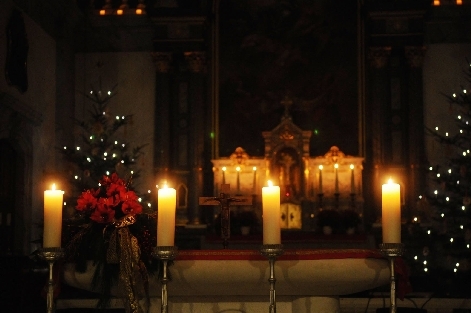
[[439, 240], [100, 149]]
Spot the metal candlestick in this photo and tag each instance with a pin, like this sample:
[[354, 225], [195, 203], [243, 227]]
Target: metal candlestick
[[392, 251], [51, 255], [272, 252], [165, 253]]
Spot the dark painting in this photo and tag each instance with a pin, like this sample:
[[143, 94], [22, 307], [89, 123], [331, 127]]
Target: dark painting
[[303, 50]]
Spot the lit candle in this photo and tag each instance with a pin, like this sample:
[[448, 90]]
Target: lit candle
[[167, 202], [254, 179], [224, 175], [352, 178], [238, 179], [320, 178], [271, 214], [52, 217], [336, 166], [391, 210]]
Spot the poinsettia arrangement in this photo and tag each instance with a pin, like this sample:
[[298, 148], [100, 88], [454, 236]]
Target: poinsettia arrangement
[[117, 238], [110, 202]]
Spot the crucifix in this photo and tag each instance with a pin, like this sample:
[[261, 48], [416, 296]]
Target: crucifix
[[225, 201]]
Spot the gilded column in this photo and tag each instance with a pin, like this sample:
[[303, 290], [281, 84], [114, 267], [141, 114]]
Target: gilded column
[[198, 145]]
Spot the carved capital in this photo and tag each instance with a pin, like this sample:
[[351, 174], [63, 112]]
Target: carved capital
[[378, 56], [196, 61], [162, 61], [415, 55]]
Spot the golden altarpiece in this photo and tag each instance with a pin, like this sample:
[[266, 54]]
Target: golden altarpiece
[[308, 184]]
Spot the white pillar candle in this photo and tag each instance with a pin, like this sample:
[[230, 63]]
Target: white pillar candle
[[320, 178], [167, 203], [391, 212], [238, 179], [271, 214], [336, 167], [254, 179], [352, 179], [52, 232]]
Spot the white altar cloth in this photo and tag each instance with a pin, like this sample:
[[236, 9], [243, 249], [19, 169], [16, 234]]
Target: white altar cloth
[[237, 280]]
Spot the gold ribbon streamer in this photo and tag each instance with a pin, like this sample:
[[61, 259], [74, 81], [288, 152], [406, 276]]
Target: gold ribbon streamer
[[124, 250]]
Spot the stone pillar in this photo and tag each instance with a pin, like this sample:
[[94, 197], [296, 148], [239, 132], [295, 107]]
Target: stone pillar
[[162, 62], [378, 99], [418, 163], [196, 62]]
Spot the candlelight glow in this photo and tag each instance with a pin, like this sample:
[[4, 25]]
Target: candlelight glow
[[321, 167], [352, 166], [269, 183]]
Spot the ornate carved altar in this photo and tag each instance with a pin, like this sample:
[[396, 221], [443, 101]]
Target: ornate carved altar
[[308, 184]]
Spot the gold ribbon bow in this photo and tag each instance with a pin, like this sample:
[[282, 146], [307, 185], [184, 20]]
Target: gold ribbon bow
[[124, 250]]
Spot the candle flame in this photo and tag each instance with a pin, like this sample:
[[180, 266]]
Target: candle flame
[[238, 168], [224, 168], [352, 166], [321, 167], [390, 181], [270, 184], [53, 187], [254, 168], [336, 165]]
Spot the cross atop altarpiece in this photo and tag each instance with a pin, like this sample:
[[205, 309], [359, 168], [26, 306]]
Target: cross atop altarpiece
[[225, 201]]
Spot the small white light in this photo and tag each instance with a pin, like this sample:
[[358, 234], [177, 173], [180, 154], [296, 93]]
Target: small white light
[[436, 192], [436, 128], [459, 117], [455, 270], [114, 155], [76, 177], [415, 257], [122, 161], [116, 142], [447, 198], [139, 199], [149, 205], [91, 92], [91, 137], [122, 117], [431, 168], [104, 113], [457, 264], [107, 173], [78, 148], [463, 207], [443, 215], [429, 231], [461, 226], [449, 170], [117, 117], [425, 262], [105, 153], [89, 160], [123, 145], [451, 239], [446, 134], [438, 174], [132, 172], [65, 148], [109, 93], [148, 191], [425, 269], [454, 95]]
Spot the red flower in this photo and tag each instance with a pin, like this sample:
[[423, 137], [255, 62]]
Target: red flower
[[86, 201], [104, 202], [104, 212]]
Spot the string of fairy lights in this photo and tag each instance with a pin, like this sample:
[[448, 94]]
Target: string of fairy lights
[[450, 185], [111, 151]]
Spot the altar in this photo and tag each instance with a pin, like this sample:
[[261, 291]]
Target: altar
[[308, 184], [237, 280]]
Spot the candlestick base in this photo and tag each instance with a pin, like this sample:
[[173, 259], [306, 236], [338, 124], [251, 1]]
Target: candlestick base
[[51, 255], [392, 251], [272, 251], [165, 254]]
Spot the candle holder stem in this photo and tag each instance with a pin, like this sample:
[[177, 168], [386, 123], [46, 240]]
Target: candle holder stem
[[51, 255], [392, 251], [272, 251], [165, 254]]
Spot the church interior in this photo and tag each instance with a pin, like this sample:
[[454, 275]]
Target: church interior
[[218, 99]]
